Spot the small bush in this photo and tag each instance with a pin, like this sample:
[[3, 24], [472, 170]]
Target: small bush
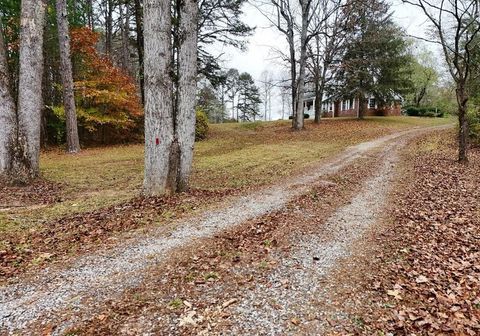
[[474, 127], [430, 112], [201, 126]]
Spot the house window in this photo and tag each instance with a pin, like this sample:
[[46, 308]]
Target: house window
[[330, 106], [344, 105], [351, 103], [371, 103]]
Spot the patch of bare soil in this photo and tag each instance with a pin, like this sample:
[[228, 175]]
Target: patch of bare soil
[[199, 290], [419, 274], [25, 250]]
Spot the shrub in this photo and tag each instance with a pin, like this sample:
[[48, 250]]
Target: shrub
[[430, 112], [201, 125], [474, 126]]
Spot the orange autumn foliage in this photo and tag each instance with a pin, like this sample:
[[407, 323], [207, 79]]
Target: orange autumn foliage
[[105, 95]]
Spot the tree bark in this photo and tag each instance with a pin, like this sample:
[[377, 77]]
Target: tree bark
[[8, 118], [298, 121], [185, 118], [26, 163], [90, 14], [73, 143], [140, 46], [293, 75], [108, 26], [463, 124], [125, 27], [362, 105], [159, 128]]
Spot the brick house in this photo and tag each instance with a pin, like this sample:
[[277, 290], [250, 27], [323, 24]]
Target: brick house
[[350, 107]]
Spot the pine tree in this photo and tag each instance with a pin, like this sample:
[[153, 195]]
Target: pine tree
[[249, 98], [376, 56]]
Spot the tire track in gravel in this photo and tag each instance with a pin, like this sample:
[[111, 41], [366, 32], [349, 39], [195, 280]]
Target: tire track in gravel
[[307, 264], [106, 274]]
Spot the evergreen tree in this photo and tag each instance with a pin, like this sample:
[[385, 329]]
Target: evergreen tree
[[249, 98], [376, 56], [209, 103]]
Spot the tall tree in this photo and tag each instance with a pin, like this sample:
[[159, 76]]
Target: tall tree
[[169, 118], [376, 55], [267, 85], [159, 129], [140, 45], [73, 143], [21, 150], [187, 85], [424, 77], [8, 122], [457, 28], [326, 48], [248, 98]]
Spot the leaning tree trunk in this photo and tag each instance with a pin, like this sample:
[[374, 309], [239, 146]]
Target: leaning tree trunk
[[159, 129], [26, 161], [8, 117], [463, 124], [187, 87], [73, 143]]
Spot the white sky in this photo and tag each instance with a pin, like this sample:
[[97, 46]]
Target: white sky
[[260, 57]]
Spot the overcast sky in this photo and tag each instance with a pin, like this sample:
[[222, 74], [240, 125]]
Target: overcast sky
[[260, 55]]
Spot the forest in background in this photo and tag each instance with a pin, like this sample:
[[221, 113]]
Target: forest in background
[[107, 59]]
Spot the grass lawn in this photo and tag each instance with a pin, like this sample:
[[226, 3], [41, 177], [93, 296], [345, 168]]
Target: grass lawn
[[234, 156]]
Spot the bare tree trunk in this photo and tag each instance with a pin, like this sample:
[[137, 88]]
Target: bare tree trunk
[[108, 26], [26, 164], [293, 76], [298, 121], [463, 124], [73, 143], [8, 118], [187, 89], [159, 128], [140, 47], [125, 27], [90, 20]]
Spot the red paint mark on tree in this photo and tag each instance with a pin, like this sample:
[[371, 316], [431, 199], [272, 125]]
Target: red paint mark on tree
[[157, 141]]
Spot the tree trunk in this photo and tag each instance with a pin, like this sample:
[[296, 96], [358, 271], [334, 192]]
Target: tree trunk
[[187, 89], [463, 124], [125, 27], [293, 75], [298, 121], [90, 14], [159, 128], [8, 118], [362, 105], [108, 26], [73, 143], [26, 163], [140, 46]]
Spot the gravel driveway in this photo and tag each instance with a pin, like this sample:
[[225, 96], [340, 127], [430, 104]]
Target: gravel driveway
[[106, 274]]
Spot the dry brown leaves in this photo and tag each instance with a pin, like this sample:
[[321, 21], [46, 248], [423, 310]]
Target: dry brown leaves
[[427, 279], [83, 232], [40, 192], [190, 294]]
